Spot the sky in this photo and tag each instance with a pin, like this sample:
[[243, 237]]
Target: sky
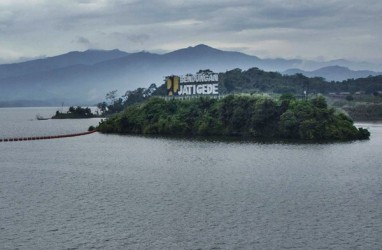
[[310, 29]]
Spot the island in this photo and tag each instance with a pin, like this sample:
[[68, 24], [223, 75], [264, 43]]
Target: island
[[257, 116], [75, 113]]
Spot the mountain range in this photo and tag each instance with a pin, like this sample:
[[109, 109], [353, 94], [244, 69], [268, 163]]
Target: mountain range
[[333, 73], [77, 78]]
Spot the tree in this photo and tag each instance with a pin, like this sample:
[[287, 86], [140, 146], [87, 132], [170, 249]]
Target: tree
[[102, 106], [319, 102], [112, 96], [71, 109], [205, 71]]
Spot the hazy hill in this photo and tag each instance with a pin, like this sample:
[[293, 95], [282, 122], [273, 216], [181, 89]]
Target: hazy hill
[[88, 57], [334, 73], [85, 77]]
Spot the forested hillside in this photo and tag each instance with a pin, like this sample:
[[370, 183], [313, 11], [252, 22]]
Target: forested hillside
[[252, 116], [257, 80]]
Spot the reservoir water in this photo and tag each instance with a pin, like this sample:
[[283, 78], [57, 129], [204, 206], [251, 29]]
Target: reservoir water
[[132, 192]]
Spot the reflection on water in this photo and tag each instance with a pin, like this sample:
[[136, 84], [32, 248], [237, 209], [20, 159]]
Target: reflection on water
[[136, 192]]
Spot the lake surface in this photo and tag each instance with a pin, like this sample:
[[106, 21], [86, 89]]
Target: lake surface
[[132, 192]]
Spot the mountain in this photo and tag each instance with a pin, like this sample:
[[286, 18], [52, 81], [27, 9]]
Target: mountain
[[88, 57], [309, 65], [334, 73], [85, 77]]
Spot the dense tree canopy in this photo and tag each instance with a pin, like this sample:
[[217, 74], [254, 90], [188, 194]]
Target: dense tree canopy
[[74, 112], [254, 116], [252, 80], [255, 79]]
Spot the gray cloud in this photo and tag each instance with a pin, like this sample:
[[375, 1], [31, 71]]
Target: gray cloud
[[266, 28], [83, 40], [134, 38]]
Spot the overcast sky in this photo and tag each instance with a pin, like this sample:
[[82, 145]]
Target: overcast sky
[[310, 29]]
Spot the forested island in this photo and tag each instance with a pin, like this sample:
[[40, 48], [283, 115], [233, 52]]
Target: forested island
[[360, 98], [75, 113], [254, 116], [258, 104]]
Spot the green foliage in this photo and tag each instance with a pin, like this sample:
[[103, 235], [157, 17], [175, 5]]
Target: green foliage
[[112, 96], [102, 106], [256, 116], [116, 105], [251, 81], [254, 79], [74, 113]]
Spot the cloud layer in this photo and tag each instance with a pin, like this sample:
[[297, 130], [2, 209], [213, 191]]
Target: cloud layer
[[267, 28]]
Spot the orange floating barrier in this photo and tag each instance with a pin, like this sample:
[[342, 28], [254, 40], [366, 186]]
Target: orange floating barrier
[[46, 137]]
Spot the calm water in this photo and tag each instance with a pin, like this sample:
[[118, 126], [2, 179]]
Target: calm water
[[129, 192]]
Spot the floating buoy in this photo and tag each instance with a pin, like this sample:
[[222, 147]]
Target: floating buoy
[[45, 137]]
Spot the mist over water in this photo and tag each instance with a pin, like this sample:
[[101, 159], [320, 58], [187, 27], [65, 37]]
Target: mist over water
[[133, 192]]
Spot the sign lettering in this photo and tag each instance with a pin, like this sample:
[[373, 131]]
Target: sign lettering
[[199, 84]]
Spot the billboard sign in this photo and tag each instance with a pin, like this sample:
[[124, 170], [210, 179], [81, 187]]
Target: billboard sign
[[199, 84]]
